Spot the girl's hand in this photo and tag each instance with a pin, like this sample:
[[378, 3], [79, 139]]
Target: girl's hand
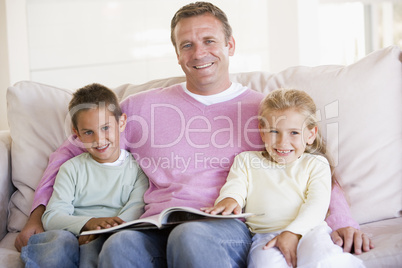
[[101, 223], [286, 242], [225, 207]]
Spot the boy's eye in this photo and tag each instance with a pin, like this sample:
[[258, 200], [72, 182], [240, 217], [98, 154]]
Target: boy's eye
[[294, 133], [273, 131]]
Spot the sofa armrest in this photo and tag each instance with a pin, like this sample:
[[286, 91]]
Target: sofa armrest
[[6, 186]]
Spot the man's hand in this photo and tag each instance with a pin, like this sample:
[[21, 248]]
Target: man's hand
[[352, 240], [225, 207], [287, 243], [33, 226]]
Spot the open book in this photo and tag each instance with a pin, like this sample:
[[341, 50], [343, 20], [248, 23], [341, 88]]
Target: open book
[[169, 216]]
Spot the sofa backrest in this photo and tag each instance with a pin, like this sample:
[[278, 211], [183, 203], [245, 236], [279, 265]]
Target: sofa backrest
[[359, 106]]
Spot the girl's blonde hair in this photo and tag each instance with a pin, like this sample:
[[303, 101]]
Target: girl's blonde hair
[[284, 99]]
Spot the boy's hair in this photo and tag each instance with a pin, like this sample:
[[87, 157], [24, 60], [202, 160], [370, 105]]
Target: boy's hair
[[284, 99], [93, 96], [196, 9]]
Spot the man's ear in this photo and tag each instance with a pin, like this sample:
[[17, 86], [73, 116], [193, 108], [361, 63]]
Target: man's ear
[[122, 122], [232, 46]]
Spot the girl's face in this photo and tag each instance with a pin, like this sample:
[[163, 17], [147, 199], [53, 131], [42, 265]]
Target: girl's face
[[285, 135]]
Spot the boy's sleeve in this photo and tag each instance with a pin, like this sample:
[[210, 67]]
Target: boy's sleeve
[[134, 207], [339, 211], [60, 208], [44, 190]]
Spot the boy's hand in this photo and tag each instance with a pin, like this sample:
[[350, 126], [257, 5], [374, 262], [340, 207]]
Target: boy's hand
[[225, 207], [85, 239], [286, 242], [101, 223]]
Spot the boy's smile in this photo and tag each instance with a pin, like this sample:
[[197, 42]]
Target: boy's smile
[[99, 131]]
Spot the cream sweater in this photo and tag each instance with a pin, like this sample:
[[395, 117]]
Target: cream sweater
[[294, 197]]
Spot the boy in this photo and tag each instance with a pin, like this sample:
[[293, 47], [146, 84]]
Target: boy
[[98, 189]]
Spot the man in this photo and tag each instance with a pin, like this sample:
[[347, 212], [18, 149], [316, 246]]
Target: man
[[185, 141]]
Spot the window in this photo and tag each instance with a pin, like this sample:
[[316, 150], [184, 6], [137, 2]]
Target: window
[[349, 30]]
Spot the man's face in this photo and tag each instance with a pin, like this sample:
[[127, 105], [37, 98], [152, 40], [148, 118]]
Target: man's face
[[203, 54]]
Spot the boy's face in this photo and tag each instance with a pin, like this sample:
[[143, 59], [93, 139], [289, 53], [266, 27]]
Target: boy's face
[[286, 136], [99, 131]]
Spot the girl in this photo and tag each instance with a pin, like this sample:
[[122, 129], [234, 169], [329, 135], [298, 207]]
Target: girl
[[288, 186]]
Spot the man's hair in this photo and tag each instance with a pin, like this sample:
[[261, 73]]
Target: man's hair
[[93, 96], [196, 9]]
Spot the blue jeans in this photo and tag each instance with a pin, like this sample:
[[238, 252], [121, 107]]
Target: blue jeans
[[215, 243], [59, 248]]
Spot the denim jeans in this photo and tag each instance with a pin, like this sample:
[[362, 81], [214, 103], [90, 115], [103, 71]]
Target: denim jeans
[[59, 248], [215, 243]]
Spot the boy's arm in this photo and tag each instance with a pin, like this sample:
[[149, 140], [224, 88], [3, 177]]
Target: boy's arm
[[346, 231], [67, 150], [59, 211]]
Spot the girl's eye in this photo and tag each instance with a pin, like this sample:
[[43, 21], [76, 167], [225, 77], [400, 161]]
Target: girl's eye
[[273, 131], [294, 133], [88, 132], [105, 128]]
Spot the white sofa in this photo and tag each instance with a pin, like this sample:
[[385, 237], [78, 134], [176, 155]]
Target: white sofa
[[361, 115]]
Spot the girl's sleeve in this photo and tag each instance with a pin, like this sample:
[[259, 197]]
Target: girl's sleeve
[[236, 183], [312, 212], [339, 211], [70, 148]]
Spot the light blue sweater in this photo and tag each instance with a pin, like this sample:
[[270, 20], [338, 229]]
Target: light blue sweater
[[85, 189]]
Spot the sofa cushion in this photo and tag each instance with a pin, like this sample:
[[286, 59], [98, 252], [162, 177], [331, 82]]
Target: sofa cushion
[[360, 107], [361, 115]]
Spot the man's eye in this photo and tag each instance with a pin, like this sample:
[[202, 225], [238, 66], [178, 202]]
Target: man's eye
[[186, 46]]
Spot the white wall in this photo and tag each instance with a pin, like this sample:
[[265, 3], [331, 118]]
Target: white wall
[[70, 43], [113, 42], [4, 73]]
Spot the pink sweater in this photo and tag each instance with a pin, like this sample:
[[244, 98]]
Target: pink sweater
[[185, 148]]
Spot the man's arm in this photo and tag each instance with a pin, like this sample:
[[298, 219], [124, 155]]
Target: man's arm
[[43, 192], [33, 226], [346, 231]]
